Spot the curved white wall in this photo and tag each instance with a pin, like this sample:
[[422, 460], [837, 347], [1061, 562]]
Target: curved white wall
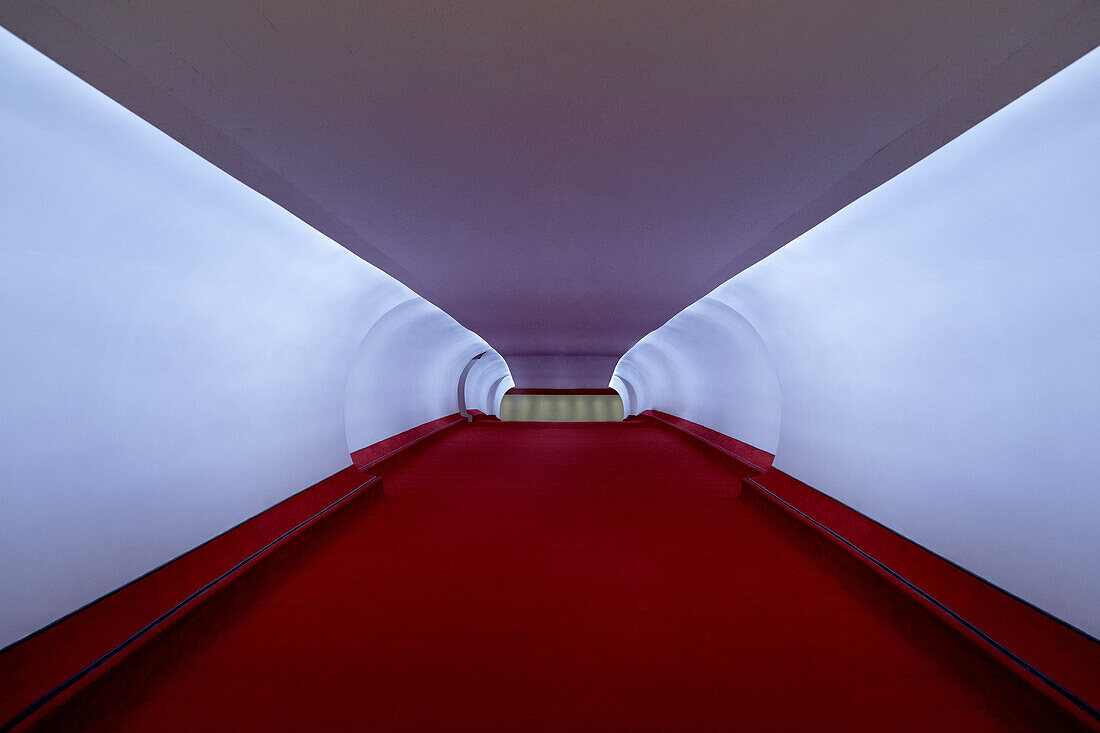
[[406, 372], [497, 391], [626, 394], [483, 383], [937, 345], [707, 364], [176, 348]]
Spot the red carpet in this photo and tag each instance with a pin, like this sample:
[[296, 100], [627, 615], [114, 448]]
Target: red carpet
[[559, 577]]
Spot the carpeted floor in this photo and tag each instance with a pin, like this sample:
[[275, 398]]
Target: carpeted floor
[[595, 576]]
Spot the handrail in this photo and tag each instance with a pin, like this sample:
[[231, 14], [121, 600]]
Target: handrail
[[435, 431], [712, 444], [1083, 706], [159, 620]]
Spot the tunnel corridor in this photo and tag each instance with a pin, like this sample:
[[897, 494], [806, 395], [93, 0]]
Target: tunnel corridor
[[529, 366]]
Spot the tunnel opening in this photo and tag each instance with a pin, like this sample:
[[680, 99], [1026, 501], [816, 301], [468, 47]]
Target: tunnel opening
[[596, 404]]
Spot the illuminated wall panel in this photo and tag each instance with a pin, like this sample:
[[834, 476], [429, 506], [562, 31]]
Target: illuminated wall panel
[[562, 407]]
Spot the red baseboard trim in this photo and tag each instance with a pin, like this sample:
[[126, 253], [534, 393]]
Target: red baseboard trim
[[366, 458], [754, 458], [50, 666], [482, 417], [1027, 673], [1067, 656], [42, 671]]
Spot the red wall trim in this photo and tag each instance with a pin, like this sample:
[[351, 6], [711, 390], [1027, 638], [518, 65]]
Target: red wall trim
[[751, 456], [39, 663], [1066, 655], [364, 458], [42, 662]]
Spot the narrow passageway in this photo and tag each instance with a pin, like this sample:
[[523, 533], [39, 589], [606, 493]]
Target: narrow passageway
[[533, 576]]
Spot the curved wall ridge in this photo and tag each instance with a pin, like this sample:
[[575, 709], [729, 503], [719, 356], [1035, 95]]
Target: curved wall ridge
[[709, 365], [483, 384], [626, 393], [937, 344], [406, 373]]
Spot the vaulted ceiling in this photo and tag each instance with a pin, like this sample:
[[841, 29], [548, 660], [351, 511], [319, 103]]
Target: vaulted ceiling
[[561, 177]]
